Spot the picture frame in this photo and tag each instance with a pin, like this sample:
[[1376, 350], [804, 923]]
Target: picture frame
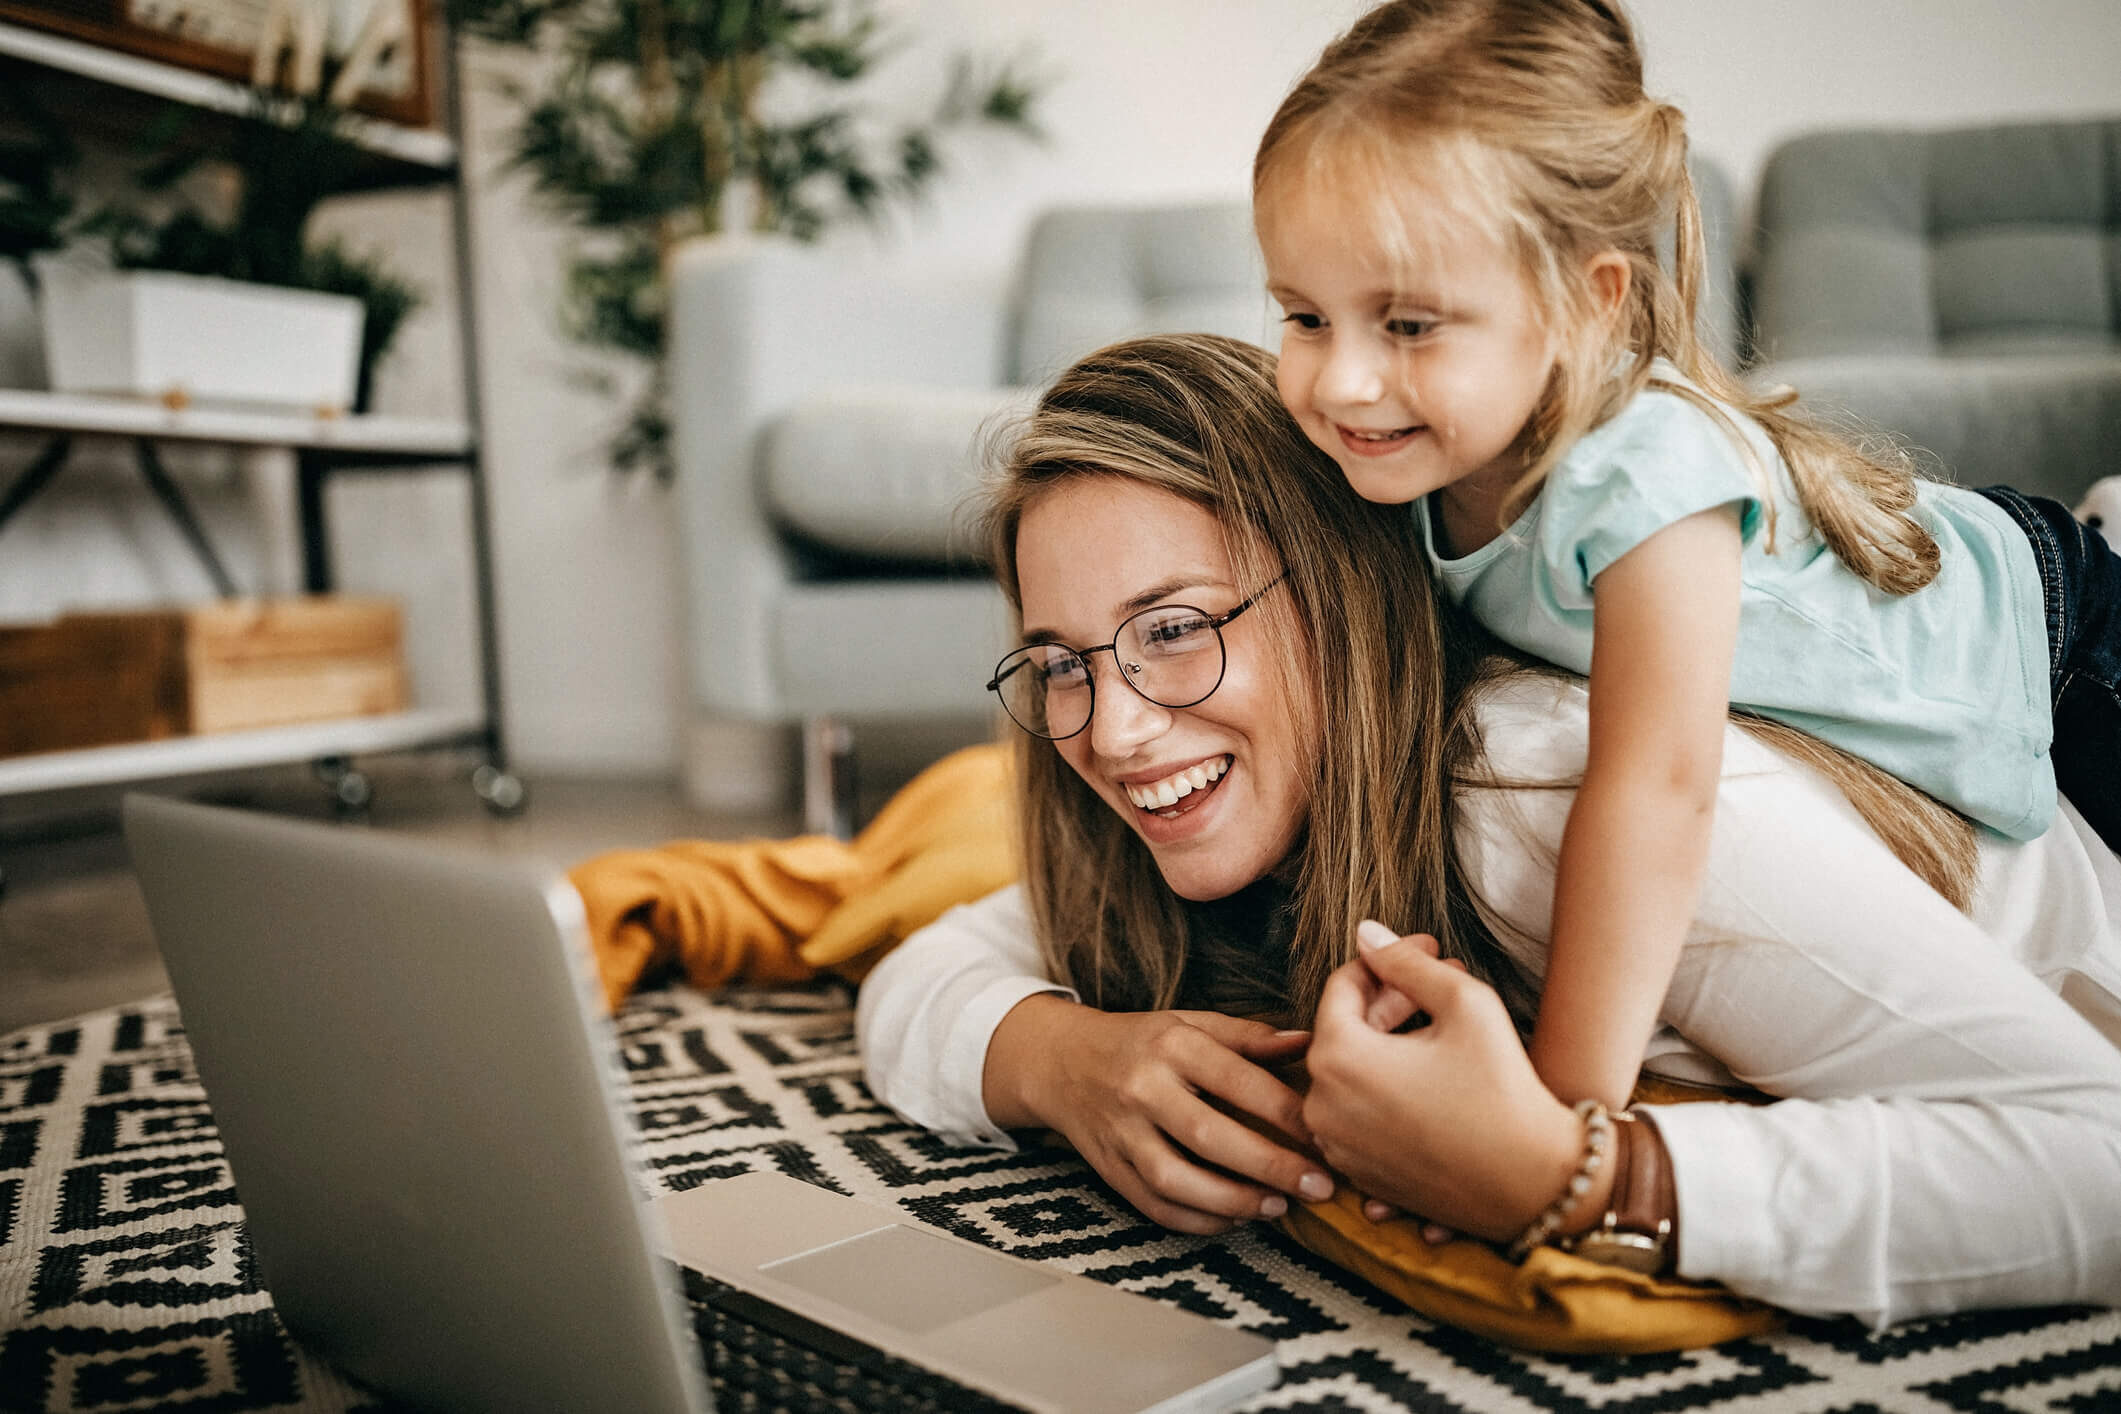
[[222, 37]]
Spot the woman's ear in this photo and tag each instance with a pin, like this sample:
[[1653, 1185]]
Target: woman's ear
[[1608, 276]]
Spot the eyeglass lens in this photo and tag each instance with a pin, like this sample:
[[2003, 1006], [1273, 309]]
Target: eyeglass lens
[[1171, 654]]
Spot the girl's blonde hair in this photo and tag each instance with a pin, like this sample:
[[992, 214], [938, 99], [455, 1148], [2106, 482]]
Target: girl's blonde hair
[[1536, 111], [1379, 673]]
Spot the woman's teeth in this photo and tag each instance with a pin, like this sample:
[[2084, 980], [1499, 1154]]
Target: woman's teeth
[[1161, 795]]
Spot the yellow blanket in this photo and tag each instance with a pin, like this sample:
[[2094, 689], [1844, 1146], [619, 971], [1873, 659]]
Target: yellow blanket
[[783, 910]]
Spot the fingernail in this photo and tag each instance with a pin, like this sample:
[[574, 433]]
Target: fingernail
[[1315, 1186], [1273, 1207], [1435, 1234], [1370, 935], [1375, 1211]]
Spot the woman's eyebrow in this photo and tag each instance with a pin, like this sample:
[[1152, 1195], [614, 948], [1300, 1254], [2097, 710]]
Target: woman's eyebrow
[[1162, 589]]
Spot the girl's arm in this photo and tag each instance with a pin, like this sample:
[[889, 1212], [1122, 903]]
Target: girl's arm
[[961, 1032], [1665, 627]]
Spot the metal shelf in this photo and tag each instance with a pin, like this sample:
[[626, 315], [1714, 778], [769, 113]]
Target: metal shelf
[[424, 148], [234, 751], [116, 95], [444, 439]]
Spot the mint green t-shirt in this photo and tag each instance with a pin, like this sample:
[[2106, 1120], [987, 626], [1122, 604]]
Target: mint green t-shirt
[[1946, 688]]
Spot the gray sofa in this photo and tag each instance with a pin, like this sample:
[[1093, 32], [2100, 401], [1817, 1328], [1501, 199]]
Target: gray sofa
[[1959, 289]]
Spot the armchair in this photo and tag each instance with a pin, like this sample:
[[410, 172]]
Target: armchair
[[829, 423]]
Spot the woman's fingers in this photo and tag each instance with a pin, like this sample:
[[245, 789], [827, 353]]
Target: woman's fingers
[[1372, 936], [1414, 971], [1390, 1009], [1189, 1130], [1137, 1189]]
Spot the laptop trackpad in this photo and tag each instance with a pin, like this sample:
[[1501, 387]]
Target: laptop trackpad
[[911, 1281]]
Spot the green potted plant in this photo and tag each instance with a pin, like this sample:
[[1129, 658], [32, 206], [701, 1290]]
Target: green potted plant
[[652, 125], [293, 320]]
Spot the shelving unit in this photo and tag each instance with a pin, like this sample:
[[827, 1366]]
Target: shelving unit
[[101, 90]]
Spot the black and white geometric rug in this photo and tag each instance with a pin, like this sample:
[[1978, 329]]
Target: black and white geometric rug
[[126, 1283]]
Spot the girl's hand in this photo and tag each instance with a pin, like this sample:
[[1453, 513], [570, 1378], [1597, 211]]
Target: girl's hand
[[1167, 1106], [1450, 1120]]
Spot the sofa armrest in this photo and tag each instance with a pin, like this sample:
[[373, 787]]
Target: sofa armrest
[[2049, 425], [756, 325]]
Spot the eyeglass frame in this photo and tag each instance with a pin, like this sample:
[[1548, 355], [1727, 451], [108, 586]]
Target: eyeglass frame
[[1214, 621]]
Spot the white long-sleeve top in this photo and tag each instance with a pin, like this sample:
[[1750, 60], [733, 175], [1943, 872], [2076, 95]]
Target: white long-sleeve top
[[1952, 1133]]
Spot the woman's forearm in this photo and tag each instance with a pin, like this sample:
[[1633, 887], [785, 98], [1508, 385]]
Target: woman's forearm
[[1953, 1130], [929, 1010], [1020, 1051]]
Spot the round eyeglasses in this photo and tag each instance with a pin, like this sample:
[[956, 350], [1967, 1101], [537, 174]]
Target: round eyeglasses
[[1171, 655]]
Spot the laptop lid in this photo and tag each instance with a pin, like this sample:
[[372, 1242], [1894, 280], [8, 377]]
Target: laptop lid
[[417, 1101]]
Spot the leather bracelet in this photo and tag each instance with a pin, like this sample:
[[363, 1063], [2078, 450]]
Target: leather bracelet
[[1636, 1230], [1597, 1143]]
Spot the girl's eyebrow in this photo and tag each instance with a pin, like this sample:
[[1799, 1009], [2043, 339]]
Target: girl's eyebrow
[[1162, 589]]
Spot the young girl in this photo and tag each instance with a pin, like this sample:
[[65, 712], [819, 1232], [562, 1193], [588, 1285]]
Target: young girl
[[1460, 207]]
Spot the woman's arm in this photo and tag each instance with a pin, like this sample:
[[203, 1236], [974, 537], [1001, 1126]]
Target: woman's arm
[[960, 1031], [1954, 1133], [1666, 626]]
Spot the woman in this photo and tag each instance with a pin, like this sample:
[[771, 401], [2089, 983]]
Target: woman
[[1278, 734]]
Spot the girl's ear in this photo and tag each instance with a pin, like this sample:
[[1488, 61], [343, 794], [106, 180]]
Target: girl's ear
[[1608, 276]]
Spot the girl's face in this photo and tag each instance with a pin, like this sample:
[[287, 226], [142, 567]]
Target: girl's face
[[1412, 379], [1096, 549]]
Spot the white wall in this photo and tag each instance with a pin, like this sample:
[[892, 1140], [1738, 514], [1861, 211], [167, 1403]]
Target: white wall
[[1150, 99]]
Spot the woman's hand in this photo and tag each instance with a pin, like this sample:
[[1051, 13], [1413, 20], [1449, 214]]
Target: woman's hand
[[1450, 1120], [1167, 1106]]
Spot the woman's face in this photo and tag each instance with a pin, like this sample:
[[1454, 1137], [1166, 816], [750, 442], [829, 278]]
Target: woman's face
[[1093, 551]]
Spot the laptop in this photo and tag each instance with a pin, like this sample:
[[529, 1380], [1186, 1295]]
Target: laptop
[[418, 1096]]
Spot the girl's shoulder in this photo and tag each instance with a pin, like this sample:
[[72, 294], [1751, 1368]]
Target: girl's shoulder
[[1671, 426]]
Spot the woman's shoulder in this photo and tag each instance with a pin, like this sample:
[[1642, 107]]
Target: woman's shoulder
[[1535, 729]]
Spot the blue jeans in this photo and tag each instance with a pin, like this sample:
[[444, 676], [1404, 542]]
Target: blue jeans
[[2081, 577]]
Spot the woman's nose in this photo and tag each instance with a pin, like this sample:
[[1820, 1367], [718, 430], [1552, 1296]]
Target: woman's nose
[[1121, 719]]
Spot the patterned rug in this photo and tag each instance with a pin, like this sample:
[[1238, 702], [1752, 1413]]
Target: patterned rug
[[126, 1282]]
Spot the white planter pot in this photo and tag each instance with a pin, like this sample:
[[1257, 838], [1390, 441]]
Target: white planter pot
[[194, 339]]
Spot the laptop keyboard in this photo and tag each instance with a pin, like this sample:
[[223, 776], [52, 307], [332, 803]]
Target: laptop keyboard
[[762, 1359]]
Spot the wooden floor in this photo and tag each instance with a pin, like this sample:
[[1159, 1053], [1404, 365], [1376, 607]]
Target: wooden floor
[[74, 933]]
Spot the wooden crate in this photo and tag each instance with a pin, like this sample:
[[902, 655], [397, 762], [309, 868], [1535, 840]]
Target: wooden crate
[[91, 680], [271, 662], [95, 679]]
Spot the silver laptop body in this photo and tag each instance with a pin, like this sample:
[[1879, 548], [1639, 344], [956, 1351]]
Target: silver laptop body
[[418, 1098]]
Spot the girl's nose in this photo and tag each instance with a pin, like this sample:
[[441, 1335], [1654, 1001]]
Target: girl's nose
[[1352, 375], [1121, 719]]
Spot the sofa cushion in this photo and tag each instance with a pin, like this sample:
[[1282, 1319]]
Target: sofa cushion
[[2048, 424], [885, 471], [1094, 275], [2001, 237]]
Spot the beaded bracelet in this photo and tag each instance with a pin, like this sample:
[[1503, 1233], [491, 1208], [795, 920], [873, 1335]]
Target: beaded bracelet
[[1597, 1139]]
